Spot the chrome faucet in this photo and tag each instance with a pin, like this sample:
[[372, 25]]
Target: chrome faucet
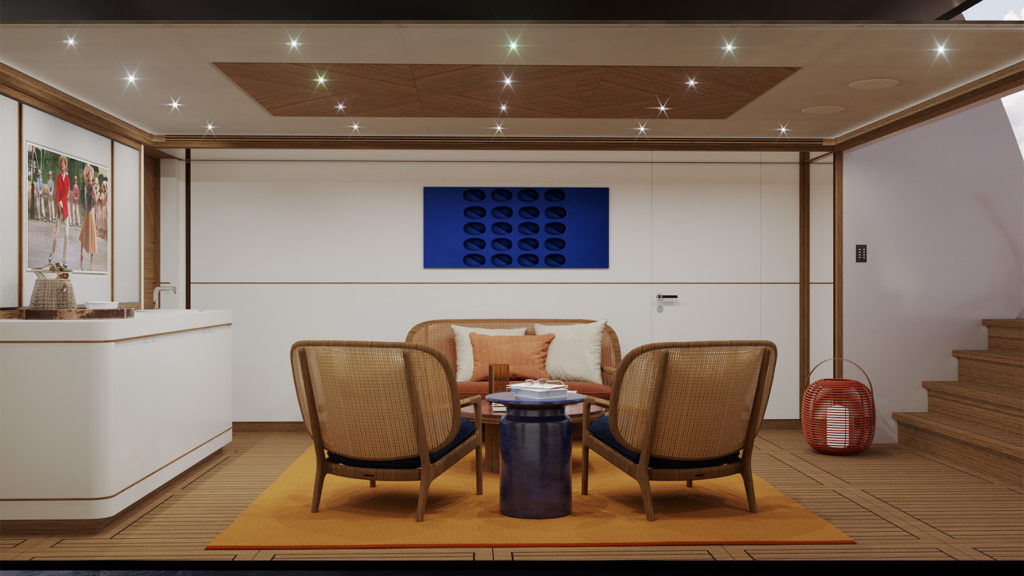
[[158, 290]]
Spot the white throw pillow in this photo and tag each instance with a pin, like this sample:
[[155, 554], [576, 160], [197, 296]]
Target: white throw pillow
[[464, 348], [575, 353]]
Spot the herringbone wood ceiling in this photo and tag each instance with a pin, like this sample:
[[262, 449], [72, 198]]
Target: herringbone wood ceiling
[[476, 91]]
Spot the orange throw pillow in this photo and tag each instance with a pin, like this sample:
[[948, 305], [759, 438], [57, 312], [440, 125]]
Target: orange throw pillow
[[526, 356]]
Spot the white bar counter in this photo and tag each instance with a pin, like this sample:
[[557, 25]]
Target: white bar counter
[[96, 414]]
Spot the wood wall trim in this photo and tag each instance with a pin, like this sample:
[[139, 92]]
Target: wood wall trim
[[805, 272], [1009, 79], [110, 219], [26, 89], [491, 143], [188, 229], [837, 263], [21, 204]]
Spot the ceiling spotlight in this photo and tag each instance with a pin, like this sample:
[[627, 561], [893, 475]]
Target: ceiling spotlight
[[641, 129], [783, 130], [340, 107], [508, 81], [503, 107], [498, 128], [71, 42], [293, 43], [662, 107], [130, 78], [321, 79], [175, 103], [691, 82], [940, 49], [209, 127], [513, 45], [728, 47], [354, 126]]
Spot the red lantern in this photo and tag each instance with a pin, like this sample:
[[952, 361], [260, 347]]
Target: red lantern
[[838, 415]]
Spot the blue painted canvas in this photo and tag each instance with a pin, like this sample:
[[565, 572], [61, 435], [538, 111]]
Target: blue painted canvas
[[465, 227]]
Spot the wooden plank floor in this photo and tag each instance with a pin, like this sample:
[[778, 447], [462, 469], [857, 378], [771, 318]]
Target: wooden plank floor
[[896, 504]]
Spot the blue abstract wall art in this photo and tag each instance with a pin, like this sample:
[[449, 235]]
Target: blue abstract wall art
[[541, 227]]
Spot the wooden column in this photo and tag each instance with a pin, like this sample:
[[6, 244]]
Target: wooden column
[[805, 270], [837, 261]]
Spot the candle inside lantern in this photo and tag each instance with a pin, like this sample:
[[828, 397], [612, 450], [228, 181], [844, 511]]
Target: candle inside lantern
[[837, 426]]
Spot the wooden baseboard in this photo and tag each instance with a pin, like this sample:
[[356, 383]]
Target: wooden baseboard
[[780, 424], [96, 525], [268, 427]]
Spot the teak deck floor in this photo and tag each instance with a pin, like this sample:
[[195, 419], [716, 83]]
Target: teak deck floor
[[896, 504]]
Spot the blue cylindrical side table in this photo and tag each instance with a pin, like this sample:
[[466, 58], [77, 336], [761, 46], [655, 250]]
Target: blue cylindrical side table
[[536, 456]]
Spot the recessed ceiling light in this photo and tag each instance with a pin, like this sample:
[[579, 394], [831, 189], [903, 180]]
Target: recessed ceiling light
[[503, 107], [293, 43], [209, 127], [507, 80], [728, 47], [691, 82], [874, 84], [340, 107], [782, 130], [940, 48], [513, 45], [822, 109], [641, 129], [321, 79], [662, 107], [354, 126], [498, 128], [175, 103], [130, 78], [70, 41]]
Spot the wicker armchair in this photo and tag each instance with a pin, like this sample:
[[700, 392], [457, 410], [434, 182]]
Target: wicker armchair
[[683, 411], [383, 411]]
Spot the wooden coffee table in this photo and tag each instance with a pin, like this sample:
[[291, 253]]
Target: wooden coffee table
[[491, 421]]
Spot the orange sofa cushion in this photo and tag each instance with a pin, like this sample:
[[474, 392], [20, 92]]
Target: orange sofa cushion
[[526, 356]]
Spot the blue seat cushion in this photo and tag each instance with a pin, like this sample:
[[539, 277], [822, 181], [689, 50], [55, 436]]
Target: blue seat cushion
[[466, 429], [602, 430]]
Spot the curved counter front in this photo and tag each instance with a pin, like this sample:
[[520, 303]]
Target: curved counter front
[[96, 414]]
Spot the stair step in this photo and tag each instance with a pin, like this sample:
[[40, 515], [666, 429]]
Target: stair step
[[990, 369], [978, 448], [983, 406], [1005, 336]]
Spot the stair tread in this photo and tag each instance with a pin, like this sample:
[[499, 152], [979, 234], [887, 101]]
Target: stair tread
[[1004, 322], [1009, 399], [1006, 442], [997, 357]]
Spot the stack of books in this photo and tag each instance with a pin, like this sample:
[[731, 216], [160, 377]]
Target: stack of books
[[540, 389]]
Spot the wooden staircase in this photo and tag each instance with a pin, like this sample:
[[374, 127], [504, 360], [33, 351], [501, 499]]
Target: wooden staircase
[[977, 422]]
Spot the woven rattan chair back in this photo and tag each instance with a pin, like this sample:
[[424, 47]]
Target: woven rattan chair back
[[363, 397], [438, 335], [693, 400]]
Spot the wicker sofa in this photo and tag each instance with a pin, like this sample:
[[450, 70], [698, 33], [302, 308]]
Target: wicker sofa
[[438, 335]]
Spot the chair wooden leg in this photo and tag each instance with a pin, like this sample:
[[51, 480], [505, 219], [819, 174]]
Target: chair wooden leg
[[318, 485], [373, 483], [748, 485], [689, 483], [645, 495], [480, 468], [421, 504], [586, 468]]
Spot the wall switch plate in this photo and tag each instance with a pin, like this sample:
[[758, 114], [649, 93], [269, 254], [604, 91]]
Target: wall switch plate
[[862, 252]]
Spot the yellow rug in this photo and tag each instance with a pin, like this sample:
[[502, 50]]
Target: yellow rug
[[353, 515]]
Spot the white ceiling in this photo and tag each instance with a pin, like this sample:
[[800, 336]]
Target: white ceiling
[[175, 61]]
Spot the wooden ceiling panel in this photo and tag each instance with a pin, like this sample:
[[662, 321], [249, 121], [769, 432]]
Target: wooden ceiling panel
[[476, 91]]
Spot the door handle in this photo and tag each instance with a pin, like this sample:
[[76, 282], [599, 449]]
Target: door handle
[[663, 297]]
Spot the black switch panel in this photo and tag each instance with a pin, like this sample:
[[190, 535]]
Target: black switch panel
[[862, 252]]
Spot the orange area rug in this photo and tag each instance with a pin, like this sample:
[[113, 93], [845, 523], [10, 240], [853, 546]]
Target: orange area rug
[[354, 515]]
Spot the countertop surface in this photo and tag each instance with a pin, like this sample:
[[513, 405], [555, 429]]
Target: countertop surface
[[145, 323]]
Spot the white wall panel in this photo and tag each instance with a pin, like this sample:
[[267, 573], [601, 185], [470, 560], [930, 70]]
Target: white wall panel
[[822, 344], [56, 134], [780, 223], [822, 230], [362, 221], [269, 318], [10, 189], [172, 232], [780, 323], [708, 312], [127, 204], [706, 222]]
